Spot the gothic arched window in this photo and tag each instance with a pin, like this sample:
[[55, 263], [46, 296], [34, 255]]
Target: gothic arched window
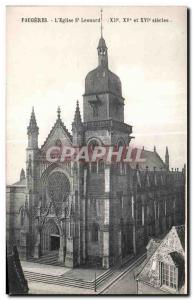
[[58, 186], [101, 166], [93, 167], [94, 233], [22, 216], [75, 168], [120, 143], [91, 145]]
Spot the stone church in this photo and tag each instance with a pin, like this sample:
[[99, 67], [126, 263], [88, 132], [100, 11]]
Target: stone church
[[92, 213]]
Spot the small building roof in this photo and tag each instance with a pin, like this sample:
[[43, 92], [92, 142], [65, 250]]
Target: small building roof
[[169, 250], [20, 183]]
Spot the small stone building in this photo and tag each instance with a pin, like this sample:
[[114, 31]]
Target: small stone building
[[163, 271]]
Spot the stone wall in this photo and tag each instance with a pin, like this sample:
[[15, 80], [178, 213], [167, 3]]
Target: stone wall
[[146, 289], [14, 201]]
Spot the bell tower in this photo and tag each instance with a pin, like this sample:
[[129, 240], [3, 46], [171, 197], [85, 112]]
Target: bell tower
[[103, 92], [103, 124]]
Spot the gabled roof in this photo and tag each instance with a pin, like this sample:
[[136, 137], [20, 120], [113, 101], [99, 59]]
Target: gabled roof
[[20, 183], [151, 247], [173, 254], [58, 124]]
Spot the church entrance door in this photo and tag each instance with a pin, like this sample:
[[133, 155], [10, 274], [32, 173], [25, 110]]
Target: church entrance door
[[50, 240], [54, 242]]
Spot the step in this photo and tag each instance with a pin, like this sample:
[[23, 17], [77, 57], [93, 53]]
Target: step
[[47, 259], [105, 275], [54, 263], [62, 279], [61, 283], [55, 276], [46, 256], [58, 280]]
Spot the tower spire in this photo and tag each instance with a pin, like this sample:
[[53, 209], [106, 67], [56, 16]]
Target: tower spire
[[101, 22], [77, 127], [102, 48], [32, 124], [58, 112], [22, 174], [32, 131]]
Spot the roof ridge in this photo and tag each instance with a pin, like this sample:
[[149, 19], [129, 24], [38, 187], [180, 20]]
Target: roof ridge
[[154, 252]]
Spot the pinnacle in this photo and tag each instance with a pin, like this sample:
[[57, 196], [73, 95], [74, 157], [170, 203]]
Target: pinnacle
[[167, 153], [33, 122], [77, 116], [22, 174], [58, 112]]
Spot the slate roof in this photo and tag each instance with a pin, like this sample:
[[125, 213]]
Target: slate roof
[[102, 80], [152, 159], [102, 43], [151, 248]]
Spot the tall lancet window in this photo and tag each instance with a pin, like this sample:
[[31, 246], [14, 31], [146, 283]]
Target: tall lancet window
[[94, 233], [95, 110], [22, 216]]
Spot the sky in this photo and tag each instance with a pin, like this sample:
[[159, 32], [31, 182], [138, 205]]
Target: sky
[[47, 64]]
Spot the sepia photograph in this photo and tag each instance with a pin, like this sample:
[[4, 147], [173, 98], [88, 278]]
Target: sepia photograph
[[96, 150]]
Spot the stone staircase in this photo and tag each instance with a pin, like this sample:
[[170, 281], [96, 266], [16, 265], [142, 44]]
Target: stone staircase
[[68, 281], [102, 278], [51, 258], [58, 280]]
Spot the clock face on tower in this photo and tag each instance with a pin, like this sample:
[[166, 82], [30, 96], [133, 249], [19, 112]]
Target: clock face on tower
[[58, 187]]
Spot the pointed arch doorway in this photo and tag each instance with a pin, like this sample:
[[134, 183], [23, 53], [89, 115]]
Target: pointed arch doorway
[[50, 236]]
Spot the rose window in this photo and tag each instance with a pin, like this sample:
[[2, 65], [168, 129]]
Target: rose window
[[58, 187]]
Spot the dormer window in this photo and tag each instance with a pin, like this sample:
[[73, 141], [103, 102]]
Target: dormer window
[[169, 276]]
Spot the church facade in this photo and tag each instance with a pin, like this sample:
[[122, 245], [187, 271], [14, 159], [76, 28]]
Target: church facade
[[92, 213]]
